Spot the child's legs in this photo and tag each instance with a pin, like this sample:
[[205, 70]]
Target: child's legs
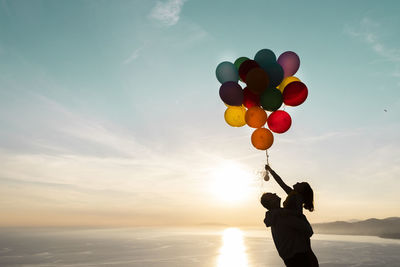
[[312, 259], [298, 260]]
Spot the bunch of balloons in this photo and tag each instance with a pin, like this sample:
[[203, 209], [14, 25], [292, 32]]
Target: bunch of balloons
[[269, 84]]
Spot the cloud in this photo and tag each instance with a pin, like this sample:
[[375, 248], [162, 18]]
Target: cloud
[[135, 54], [69, 160], [368, 31], [325, 137], [55, 143], [48, 127], [167, 12]]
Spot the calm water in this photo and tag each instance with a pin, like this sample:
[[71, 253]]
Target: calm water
[[180, 247]]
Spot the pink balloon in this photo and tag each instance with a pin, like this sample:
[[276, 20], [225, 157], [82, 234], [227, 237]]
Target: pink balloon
[[290, 63]]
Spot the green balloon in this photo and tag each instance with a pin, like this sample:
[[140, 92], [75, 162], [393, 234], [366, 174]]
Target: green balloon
[[239, 61], [271, 99]]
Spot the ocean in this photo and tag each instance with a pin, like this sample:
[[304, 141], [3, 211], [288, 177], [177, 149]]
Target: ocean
[[175, 247]]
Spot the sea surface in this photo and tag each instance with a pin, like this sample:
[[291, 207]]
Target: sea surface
[[173, 247]]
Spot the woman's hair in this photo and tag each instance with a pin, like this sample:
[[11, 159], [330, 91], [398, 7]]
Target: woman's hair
[[308, 196]]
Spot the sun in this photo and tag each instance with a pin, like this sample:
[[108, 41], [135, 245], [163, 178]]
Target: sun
[[231, 182]]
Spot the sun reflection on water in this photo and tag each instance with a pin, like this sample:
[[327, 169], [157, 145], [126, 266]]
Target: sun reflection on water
[[233, 251]]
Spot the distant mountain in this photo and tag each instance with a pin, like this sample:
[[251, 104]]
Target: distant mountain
[[387, 228], [212, 224], [353, 220]]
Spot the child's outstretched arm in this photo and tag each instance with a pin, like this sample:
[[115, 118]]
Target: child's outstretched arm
[[279, 180]]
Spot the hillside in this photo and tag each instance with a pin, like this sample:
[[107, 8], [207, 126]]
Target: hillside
[[387, 228]]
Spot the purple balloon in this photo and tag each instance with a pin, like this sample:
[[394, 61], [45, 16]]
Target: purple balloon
[[290, 63], [231, 93]]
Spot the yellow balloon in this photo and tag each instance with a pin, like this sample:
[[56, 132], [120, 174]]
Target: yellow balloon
[[228, 106], [234, 116], [286, 81]]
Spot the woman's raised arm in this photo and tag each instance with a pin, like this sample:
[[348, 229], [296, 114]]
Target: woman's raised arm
[[279, 180]]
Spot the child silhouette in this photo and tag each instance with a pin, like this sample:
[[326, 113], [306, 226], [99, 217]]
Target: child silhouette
[[290, 231]]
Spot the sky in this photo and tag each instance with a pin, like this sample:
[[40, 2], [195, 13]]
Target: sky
[[110, 113]]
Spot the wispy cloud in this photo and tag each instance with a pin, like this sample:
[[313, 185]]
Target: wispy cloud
[[79, 162], [368, 31], [326, 137], [135, 54], [67, 147], [167, 12]]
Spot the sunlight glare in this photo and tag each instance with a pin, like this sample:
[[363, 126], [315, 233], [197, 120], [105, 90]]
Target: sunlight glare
[[231, 182], [233, 251]]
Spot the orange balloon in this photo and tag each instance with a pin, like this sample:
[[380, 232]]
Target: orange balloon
[[262, 138], [256, 117]]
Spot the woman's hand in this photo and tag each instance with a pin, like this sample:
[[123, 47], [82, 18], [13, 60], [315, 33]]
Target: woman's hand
[[279, 180]]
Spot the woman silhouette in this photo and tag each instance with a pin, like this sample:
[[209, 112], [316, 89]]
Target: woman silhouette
[[301, 195]]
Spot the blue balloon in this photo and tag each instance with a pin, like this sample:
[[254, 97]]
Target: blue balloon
[[265, 57], [227, 72]]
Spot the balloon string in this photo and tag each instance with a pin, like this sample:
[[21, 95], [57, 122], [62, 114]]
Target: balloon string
[[266, 176]]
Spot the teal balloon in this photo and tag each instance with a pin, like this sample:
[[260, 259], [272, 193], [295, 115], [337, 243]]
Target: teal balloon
[[265, 57], [239, 61], [227, 72], [271, 99], [275, 74]]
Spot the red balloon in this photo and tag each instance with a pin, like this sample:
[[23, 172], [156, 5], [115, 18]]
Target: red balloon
[[245, 67], [295, 93], [250, 99], [279, 121]]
